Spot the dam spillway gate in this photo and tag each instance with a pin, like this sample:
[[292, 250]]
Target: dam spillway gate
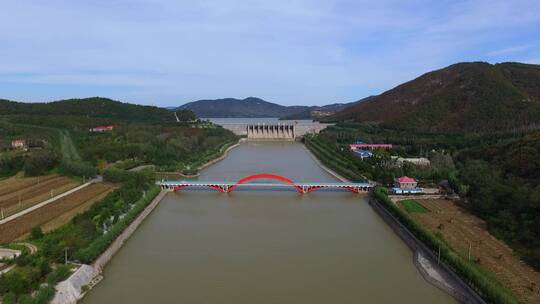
[[271, 131]]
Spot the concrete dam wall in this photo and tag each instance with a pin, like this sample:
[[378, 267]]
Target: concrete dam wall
[[274, 132]]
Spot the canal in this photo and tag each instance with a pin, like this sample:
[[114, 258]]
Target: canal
[[264, 246]]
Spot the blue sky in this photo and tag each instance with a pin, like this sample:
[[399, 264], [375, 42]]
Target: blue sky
[[167, 52]]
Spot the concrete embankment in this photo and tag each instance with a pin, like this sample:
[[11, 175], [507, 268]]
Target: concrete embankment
[[222, 157], [436, 273], [74, 288]]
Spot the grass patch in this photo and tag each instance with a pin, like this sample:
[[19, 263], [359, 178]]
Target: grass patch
[[413, 206]]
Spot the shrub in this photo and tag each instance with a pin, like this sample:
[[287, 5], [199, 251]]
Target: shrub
[[39, 162], [36, 233], [11, 165]]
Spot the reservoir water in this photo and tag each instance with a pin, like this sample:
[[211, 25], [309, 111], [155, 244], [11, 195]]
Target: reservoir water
[[264, 246]]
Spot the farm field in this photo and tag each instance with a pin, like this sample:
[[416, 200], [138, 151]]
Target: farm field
[[17, 194], [14, 184], [65, 217], [463, 230], [20, 226]]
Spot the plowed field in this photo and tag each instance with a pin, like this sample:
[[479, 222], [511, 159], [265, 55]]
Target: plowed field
[[21, 225], [14, 184], [21, 193]]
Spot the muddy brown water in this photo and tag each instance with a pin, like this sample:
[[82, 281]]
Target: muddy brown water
[[264, 246]]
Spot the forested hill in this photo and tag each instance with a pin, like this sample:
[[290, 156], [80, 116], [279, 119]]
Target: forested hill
[[232, 107], [464, 97], [95, 107]]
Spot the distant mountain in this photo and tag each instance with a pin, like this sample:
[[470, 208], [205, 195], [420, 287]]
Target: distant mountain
[[322, 112], [232, 107], [464, 97], [95, 107], [256, 107]]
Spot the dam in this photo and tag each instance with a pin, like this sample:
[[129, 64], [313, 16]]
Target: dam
[[271, 129]]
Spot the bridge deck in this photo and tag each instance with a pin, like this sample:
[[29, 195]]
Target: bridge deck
[[223, 183], [226, 187]]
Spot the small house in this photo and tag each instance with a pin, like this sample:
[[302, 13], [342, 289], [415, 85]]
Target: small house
[[405, 182], [100, 129]]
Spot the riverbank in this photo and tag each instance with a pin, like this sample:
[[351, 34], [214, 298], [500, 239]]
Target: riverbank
[[86, 277], [208, 163], [220, 158], [436, 274], [325, 168]]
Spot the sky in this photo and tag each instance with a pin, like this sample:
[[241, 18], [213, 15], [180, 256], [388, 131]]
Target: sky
[[293, 52]]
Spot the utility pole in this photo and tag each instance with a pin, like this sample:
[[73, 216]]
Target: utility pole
[[2, 211], [439, 256], [470, 245], [65, 255]]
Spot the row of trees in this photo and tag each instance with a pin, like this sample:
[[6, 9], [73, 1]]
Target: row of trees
[[502, 185]]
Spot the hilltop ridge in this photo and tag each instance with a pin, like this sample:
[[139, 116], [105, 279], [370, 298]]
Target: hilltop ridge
[[464, 97]]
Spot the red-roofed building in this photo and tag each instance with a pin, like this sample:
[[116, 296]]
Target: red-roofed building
[[406, 182], [18, 144], [102, 129]]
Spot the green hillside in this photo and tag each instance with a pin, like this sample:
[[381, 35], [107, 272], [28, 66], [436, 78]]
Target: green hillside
[[465, 97], [95, 107]]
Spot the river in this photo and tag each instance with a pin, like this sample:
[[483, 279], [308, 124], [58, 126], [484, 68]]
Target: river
[[264, 246]]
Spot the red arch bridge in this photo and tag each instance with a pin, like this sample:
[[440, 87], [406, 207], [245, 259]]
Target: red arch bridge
[[247, 183]]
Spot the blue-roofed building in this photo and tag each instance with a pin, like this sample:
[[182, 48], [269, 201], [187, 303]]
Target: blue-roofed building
[[363, 153]]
